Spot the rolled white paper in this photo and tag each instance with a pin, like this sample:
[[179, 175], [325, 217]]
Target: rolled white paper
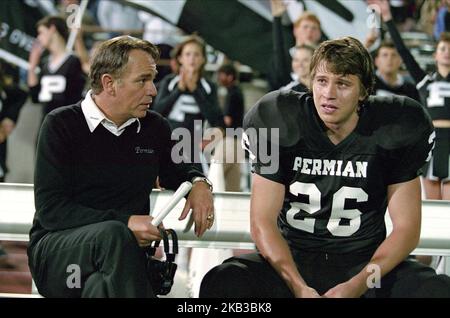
[[182, 190]]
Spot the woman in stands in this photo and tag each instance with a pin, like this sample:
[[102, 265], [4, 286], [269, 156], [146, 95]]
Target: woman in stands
[[187, 98], [61, 80]]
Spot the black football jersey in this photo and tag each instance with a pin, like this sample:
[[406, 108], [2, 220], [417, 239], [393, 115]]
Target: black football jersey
[[59, 87], [336, 195]]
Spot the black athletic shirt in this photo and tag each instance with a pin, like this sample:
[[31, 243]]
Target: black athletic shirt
[[336, 195]]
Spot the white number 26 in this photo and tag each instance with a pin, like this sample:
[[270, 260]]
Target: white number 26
[[337, 209]]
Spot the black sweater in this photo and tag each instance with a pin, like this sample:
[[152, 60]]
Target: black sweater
[[83, 178]]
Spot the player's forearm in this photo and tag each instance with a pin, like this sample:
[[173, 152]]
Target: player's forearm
[[395, 248], [276, 251]]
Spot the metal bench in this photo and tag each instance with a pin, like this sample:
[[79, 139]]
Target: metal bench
[[232, 224], [231, 228]]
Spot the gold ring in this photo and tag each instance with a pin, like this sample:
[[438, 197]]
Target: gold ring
[[210, 217]]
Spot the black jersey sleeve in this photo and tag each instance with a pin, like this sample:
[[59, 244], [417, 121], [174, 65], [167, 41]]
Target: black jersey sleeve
[[410, 140], [413, 159], [270, 126], [263, 154], [279, 111]]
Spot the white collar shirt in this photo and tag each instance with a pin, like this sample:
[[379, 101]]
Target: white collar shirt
[[94, 116]]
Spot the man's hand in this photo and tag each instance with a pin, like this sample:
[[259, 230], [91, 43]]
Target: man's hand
[[192, 78], [143, 230], [188, 79], [347, 289], [200, 200], [35, 54], [306, 292], [277, 7], [384, 8], [182, 83]]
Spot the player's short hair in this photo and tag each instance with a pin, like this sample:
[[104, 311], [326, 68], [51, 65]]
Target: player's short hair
[[346, 56], [111, 57]]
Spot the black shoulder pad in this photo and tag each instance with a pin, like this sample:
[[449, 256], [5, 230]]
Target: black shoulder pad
[[398, 120], [280, 110]]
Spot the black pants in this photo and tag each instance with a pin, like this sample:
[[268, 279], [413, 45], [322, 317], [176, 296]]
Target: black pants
[[106, 255], [251, 276]]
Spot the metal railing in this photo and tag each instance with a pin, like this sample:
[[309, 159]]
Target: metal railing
[[232, 223]]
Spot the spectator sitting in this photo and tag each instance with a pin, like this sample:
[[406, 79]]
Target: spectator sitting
[[187, 98], [388, 79], [306, 30], [301, 60]]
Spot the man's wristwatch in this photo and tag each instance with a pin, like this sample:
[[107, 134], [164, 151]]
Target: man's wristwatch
[[203, 179]]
